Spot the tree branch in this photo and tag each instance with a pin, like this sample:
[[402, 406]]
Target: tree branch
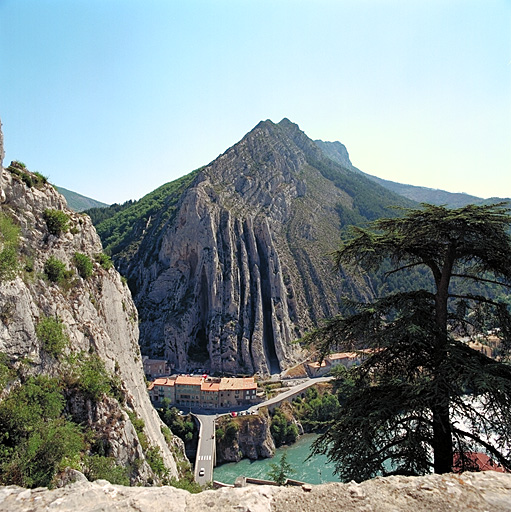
[[503, 460], [477, 278]]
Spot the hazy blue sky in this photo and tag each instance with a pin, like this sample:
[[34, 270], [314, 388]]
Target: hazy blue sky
[[113, 98]]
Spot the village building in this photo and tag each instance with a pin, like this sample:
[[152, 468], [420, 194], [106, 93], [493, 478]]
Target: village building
[[347, 359], [161, 388], [154, 368], [204, 392]]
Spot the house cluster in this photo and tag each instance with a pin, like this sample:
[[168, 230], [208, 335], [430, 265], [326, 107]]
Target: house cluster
[[348, 359], [203, 391]]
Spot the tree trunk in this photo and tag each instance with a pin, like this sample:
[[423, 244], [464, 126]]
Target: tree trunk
[[442, 438]]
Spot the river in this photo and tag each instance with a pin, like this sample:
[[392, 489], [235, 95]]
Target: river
[[317, 470]]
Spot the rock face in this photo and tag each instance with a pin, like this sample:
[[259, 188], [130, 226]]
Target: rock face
[[476, 492], [253, 440], [98, 314], [243, 267]]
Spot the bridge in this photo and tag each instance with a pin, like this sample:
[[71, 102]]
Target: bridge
[[206, 448]]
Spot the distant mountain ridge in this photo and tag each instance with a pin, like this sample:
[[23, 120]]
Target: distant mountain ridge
[[79, 203], [338, 153]]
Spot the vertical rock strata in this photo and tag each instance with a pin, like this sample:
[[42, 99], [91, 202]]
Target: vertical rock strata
[[243, 268], [98, 314]]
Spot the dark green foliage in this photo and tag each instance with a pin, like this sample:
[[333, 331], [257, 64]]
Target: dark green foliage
[[139, 425], [50, 332], [280, 471], [93, 379], [104, 260], [155, 461], [56, 221], [422, 394], [100, 467], [55, 270], [316, 412], [34, 439], [282, 430], [83, 264], [9, 240], [181, 426]]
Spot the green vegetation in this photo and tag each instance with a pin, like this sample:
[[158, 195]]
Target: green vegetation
[[57, 221], [280, 471], [50, 332], [317, 410], [35, 439], [104, 260], [182, 426], [121, 225], [105, 468], [39, 438], [89, 375], [83, 264], [414, 402], [31, 179], [9, 241], [283, 429], [55, 270]]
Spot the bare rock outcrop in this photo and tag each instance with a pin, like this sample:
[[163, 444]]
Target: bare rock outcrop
[[242, 268], [252, 439], [476, 492], [98, 314]]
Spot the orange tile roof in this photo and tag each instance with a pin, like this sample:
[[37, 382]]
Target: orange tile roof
[[227, 384], [162, 381], [185, 380], [210, 386]]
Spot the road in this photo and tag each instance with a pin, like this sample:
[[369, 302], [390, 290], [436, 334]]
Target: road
[[206, 445]]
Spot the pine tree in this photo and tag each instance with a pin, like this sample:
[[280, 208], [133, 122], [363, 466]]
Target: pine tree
[[280, 472], [422, 394]]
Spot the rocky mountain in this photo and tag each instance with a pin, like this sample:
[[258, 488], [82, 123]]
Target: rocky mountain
[[338, 153], [79, 203], [66, 314], [231, 264]]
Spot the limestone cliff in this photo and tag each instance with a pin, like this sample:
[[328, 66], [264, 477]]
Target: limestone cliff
[[245, 437], [228, 275], [97, 312]]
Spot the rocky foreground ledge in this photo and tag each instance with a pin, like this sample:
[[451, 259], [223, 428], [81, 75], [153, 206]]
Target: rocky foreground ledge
[[488, 491]]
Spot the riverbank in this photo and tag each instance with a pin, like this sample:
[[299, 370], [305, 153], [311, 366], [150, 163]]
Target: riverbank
[[315, 470]]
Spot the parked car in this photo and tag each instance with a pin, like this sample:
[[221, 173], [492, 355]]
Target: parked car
[[201, 472]]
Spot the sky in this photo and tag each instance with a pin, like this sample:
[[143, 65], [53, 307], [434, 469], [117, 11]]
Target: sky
[[113, 98]]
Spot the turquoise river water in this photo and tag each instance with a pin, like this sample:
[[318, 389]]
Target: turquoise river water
[[314, 471]]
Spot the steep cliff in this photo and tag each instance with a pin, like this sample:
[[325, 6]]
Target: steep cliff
[[234, 266], [96, 312], [245, 437]]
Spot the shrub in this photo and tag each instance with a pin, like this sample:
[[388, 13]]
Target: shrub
[[93, 378], [55, 270], [83, 264], [105, 468], [50, 332], [155, 461], [56, 221], [104, 260], [9, 239]]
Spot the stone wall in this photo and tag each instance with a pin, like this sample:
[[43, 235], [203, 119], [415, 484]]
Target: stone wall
[[469, 491]]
